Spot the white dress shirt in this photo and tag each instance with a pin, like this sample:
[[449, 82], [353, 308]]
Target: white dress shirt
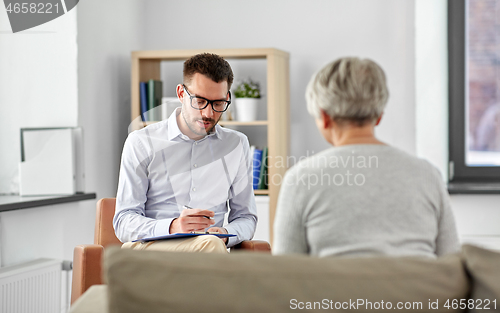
[[162, 170]]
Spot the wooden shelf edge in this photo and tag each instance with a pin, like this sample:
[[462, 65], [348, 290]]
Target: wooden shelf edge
[[245, 53], [261, 192], [236, 123]]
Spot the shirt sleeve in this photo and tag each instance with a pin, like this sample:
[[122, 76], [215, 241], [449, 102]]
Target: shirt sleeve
[[242, 218], [289, 226], [130, 221]]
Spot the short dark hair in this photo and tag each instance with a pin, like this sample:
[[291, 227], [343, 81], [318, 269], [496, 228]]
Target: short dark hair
[[211, 65]]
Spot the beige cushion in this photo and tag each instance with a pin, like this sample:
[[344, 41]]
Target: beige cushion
[[484, 268], [151, 281], [94, 300]]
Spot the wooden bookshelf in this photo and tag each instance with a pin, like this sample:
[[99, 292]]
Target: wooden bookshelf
[[146, 65], [261, 192]]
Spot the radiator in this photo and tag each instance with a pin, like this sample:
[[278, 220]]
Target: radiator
[[32, 287]]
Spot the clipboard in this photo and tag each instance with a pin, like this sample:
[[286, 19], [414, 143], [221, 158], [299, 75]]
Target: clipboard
[[182, 235]]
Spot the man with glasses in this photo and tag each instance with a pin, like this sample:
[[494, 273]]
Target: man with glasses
[[181, 174]]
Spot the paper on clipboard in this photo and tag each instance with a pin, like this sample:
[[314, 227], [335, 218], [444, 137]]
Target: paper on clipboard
[[182, 235]]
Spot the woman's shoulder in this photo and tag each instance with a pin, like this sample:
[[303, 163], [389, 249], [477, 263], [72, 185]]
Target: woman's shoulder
[[380, 156]]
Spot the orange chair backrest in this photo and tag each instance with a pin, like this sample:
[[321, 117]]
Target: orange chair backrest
[[104, 232]]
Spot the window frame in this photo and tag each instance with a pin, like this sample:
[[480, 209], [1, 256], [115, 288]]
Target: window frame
[[459, 172]]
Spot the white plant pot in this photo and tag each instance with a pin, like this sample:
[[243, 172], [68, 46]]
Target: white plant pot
[[246, 109]]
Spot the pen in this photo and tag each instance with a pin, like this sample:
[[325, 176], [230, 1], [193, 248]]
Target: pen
[[188, 207]]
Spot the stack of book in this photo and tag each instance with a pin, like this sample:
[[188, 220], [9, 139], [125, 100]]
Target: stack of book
[[151, 94], [260, 163]]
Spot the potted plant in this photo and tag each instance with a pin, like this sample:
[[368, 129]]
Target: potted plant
[[247, 94]]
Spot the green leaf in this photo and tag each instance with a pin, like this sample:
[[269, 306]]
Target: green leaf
[[247, 89]]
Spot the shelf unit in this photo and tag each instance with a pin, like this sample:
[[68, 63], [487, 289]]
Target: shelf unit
[[146, 65]]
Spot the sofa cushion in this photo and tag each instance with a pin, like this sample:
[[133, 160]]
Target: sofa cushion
[[484, 268], [94, 300], [151, 281]]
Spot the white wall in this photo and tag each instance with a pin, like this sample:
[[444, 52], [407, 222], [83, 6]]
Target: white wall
[[38, 85], [38, 79], [407, 38], [431, 82], [477, 216], [314, 32], [107, 32]]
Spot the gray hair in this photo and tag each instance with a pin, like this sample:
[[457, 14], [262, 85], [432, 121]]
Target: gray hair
[[348, 89]]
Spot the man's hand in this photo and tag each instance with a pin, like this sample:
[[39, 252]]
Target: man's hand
[[192, 220], [220, 230]]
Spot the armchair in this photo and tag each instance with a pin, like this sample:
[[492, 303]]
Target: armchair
[[87, 259]]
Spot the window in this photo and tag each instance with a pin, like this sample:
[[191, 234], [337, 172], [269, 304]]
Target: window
[[474, 95]]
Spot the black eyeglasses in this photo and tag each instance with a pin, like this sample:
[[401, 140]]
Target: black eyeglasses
[[200, 103]]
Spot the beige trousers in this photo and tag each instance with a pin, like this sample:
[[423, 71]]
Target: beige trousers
[[205, 243]]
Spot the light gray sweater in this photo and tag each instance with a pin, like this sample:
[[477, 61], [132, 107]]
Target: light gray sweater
[[364, 200]]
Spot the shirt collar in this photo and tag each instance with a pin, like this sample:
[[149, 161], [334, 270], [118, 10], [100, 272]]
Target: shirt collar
[[174, 130]]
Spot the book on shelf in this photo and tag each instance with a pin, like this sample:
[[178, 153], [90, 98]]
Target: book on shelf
[[143, 88], [155, 93], [263, 170], [257, 166]]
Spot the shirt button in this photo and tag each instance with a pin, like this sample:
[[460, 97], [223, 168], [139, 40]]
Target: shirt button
[[194, 189], [196, 165], [196, 143]]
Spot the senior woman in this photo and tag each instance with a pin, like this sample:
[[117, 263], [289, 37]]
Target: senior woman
[[361, 197]]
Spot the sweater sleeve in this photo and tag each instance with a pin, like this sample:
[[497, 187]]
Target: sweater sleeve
[[447, 238], [289, 227]]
